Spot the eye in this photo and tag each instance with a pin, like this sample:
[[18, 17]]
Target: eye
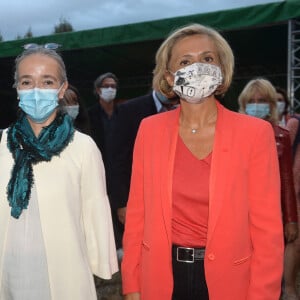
[[262, 100], [208, 59], [185, 62], [48, 83], [26, 83]]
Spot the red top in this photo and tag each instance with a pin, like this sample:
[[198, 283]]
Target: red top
[[190, 198]]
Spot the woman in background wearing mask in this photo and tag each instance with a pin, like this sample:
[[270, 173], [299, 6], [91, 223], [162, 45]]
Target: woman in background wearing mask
[[282, 106], [55, 222], [198, 224], [76, 109], [259, 99]]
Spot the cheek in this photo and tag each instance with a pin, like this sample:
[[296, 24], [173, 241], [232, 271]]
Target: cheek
[[170, 79]]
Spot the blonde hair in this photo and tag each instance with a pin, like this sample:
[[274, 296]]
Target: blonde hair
[[266, 90], [163, 56]]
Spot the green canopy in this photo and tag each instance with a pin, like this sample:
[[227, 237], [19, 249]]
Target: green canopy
[[257, 34]]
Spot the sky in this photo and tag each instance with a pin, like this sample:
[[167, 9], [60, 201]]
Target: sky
[[18, 16]]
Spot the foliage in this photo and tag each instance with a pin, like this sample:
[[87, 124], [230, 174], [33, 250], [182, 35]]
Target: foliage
[[28, 34], [63, 26]]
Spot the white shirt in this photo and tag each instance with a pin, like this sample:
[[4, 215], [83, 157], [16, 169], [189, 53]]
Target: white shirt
[[25, 271]]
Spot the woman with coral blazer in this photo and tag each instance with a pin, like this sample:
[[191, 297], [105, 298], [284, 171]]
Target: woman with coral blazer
[[203, 218]]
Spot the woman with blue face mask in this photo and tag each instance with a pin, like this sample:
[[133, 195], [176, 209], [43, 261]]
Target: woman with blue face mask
[[259, 99], [203, 218], [283, 105], [75, 108], [55, 223]]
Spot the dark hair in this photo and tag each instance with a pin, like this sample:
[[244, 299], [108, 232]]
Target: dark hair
[[100, 79]]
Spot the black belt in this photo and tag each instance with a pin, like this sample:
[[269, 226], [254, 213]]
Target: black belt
[[187, 255]]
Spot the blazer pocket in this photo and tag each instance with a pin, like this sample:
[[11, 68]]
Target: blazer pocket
[[242, 260], [145, 246]]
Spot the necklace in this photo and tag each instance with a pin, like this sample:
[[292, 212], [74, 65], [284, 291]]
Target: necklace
[[195, 130]]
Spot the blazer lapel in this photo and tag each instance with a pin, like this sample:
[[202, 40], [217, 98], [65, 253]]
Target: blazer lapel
[[168, 141], [220, 165]]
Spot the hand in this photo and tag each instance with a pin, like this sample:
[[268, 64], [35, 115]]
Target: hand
[[290, 232], [121, 214], [132, 296]]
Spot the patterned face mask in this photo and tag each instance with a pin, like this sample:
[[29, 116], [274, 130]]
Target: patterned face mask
[[197, 81]]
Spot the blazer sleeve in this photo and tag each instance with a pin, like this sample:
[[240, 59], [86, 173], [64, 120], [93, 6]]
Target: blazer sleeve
[[266, 228], [134, 225], [96, 213]]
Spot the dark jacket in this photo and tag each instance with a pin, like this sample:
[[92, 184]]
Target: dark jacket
[[127, 119], [288, 196]]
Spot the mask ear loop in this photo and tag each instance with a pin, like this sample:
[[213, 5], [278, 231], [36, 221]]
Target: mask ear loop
[[59, 90]]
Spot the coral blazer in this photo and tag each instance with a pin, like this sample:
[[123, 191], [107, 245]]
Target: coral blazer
[[244, 251]]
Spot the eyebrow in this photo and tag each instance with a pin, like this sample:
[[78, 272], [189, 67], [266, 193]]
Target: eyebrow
[[203, 53], [44, 77]]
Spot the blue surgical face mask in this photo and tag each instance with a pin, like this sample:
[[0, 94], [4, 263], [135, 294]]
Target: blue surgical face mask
[[280, 107], [72, 111], [37, 103], [259, 110]]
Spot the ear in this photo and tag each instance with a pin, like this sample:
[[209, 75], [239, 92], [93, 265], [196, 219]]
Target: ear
[[169, 78], [63, 90], [98, 90]]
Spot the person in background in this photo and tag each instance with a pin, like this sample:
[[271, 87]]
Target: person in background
[[100, 114], [127, 119], [55, 221], [283, 104], [259, 99], [292, 255], [76, 109], [203, 219], [101, 118]]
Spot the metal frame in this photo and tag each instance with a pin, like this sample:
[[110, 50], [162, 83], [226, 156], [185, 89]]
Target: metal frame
[[293, 65]]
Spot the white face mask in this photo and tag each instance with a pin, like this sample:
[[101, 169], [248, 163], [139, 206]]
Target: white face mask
[[280, 107], [72, 111], [197, 81], [108, 94]]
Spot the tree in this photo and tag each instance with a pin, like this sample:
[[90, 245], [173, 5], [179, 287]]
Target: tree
[[63, 26], [28, 34], [1, 37]]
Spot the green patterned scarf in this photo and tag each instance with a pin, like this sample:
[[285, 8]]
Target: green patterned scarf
[[27, 150]]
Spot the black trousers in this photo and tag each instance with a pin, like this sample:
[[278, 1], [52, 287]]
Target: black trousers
[[189, 280]]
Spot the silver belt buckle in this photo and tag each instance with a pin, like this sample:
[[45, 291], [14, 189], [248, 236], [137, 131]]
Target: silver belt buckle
[[182, 260]]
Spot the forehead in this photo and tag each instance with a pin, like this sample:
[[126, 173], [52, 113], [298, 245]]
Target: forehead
[[108, 80], [38, 65], [279, 96], [259, 95], [194, 44]]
